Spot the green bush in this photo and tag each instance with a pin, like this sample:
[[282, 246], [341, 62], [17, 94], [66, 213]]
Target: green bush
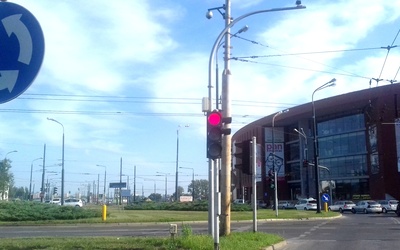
[[184, 206], [34, 211]]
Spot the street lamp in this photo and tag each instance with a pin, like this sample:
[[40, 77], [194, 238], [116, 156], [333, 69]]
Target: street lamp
[[177, 161], [14, 151], [305, 158], [62, 161], [193, 186], [105, 181], [226, 158], [30, 182], [273, 160], [166, 185], [331, 83]]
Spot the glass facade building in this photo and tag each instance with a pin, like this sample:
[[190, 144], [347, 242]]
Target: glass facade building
[[357, 148]]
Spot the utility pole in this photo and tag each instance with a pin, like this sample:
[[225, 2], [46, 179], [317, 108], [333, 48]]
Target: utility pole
[[225, 217]]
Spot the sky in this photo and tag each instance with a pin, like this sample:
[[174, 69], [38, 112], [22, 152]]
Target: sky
[[126, 79]]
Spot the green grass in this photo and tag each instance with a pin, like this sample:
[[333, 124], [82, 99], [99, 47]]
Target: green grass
[[118, 215], [234, 241], [47, 214]]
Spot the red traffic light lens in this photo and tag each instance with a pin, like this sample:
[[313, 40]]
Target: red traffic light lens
[[215, 118]]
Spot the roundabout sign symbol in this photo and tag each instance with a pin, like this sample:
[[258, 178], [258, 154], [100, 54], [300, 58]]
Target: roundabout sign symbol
[[21, 50]]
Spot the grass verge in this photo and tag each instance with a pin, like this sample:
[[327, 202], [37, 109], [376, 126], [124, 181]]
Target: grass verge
[[234, 241]]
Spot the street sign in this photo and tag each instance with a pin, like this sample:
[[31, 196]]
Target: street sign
[[118, 185], [325, 197], [21, 50]]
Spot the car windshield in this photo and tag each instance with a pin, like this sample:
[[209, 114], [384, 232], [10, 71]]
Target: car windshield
[[313, 202], [373, 203]]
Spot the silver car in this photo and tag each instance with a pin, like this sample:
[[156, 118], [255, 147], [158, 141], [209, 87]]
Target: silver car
[[73, 202], [342, 206], [367, 206], [388, 205]]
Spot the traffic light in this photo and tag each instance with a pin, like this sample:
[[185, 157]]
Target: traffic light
[[215, 131], [55, 190], [305, 164], [271, 175]]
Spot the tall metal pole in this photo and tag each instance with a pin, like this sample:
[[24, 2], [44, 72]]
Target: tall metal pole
[[316, 170], [62, 168], [177, 165], [273, 162], [254, 167], [105, 184], [226, 157], [225, 185], [305, 158], [177, 162], [166, 183], [120, 181], [30, 182], [62, 161], [44, 161], [134, 183]]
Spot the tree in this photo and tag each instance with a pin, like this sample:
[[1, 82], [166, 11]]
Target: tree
[[180, 192], [155, 197], [18, 193], [6, 177], [200, 189]]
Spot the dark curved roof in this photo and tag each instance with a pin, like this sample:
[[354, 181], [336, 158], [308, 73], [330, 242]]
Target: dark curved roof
[[345, 103]]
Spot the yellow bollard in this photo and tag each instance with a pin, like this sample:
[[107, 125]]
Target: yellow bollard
[[326, 206], [104, 213]]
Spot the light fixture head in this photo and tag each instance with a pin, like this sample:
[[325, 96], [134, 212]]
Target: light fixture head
[[209, 14]]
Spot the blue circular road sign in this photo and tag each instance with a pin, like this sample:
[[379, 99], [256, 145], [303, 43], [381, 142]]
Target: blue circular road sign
[[325, 197], [21, 50]]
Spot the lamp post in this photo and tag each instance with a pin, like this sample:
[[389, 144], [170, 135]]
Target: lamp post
[[226, 158], [166, 183], [105, 182], [177, 161], [331, 83], [305, 158], [273, 161], [30, 182], [193, 186], [62, 161]]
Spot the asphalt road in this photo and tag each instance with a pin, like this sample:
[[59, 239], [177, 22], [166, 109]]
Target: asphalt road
[[350, 231]]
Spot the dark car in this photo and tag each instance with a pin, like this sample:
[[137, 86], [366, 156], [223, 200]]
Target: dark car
[[398, 210]]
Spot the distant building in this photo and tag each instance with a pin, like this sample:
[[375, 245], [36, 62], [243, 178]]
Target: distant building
[[5, 196], [358, 136]]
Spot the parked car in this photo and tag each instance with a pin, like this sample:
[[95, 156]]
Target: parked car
[[73, 202], [306, 204], [388, 205], [342, 206], [239, 201], [285, 205], [56, 201], [398, 210], [367, 206], [261, 204]]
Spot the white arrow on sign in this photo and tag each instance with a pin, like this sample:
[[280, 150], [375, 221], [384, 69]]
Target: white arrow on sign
[[13, 24], [8, 78]]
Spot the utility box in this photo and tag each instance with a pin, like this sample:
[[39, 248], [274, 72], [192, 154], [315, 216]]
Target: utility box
[[173, 230]]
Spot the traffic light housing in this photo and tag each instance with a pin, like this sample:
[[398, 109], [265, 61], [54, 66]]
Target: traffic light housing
[[55, 190], [215, 131], [271, 175]]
